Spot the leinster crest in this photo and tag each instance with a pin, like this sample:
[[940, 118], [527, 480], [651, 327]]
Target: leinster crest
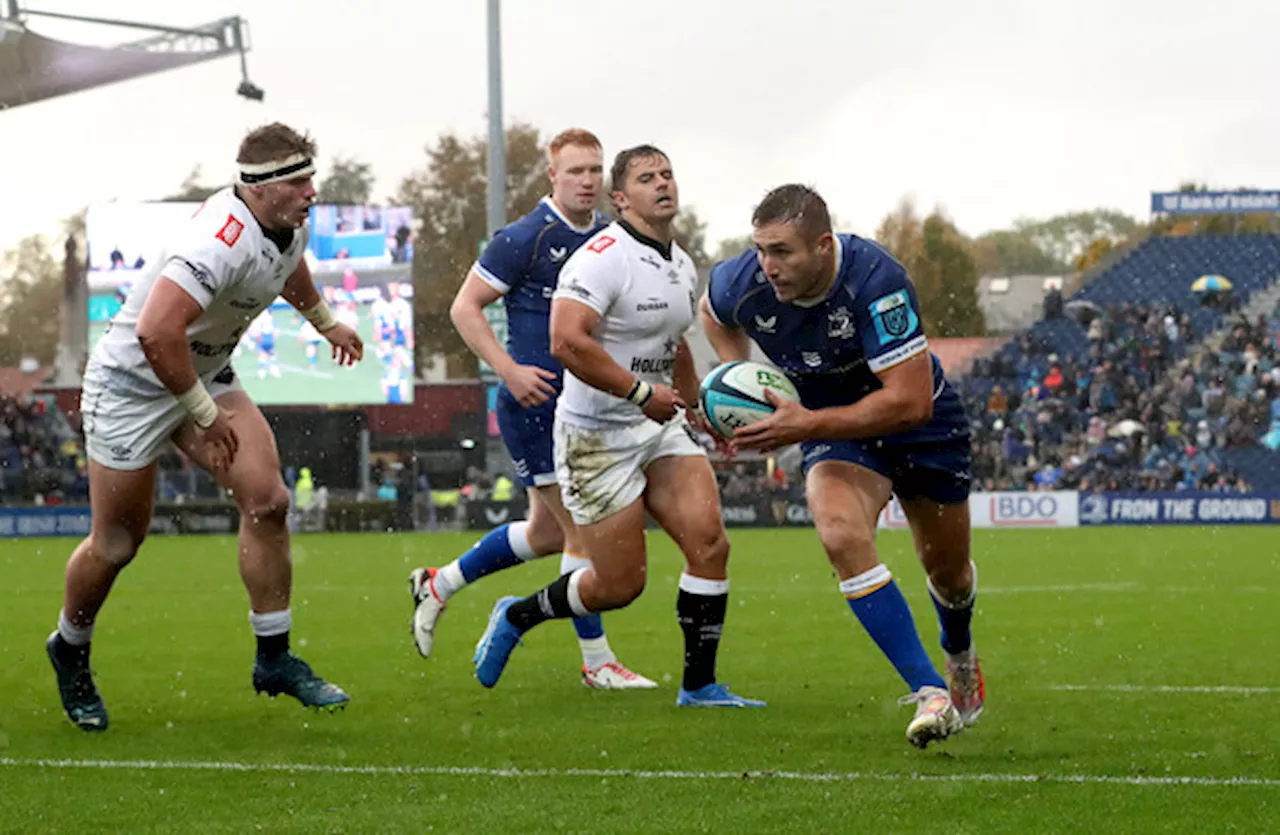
[[840, 323], [893, 317]]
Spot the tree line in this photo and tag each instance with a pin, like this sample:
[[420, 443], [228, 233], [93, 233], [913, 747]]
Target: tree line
[[448, 193]]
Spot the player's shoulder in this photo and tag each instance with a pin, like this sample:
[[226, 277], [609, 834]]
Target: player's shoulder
[[607, 246], [868, 268], [525, 229], [736, 273], [223, 225]]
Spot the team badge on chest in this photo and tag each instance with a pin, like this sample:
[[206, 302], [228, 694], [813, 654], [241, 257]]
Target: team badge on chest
[[840, 323]]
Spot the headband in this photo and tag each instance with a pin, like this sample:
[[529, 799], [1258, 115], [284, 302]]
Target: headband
[[261, 173]]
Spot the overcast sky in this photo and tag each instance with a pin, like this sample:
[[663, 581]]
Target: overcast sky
[[994, 110]]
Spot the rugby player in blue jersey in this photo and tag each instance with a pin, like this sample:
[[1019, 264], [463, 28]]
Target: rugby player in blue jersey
[[520, 266], [876, 416]]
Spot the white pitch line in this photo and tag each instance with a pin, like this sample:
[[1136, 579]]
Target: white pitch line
[[1166, 688], [607, 773]]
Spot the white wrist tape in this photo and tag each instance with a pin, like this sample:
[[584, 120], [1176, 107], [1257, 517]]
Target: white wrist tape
[[199, 404], [320, 316], [640, 393]]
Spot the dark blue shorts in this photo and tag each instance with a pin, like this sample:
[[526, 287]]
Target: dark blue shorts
[[527, 435], [939, 471]]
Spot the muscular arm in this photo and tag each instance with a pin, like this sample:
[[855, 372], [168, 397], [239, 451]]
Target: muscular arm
[[730, 344], [299, 290], [467, 314], [905, 401], [685, 373], [162, 333], [577, 350]]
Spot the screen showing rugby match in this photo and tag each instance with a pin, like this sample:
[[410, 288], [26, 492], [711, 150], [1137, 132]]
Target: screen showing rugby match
[[360, 258]]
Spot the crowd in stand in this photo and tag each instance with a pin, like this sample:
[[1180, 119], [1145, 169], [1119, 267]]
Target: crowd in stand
[[42, 458], [1136, 412]]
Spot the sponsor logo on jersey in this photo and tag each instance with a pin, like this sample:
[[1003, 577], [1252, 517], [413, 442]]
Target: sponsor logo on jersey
[[244, 304], [557, 253], [578, 290], [230, 231], [764, 325], [601, 243], [651, 365], [811, 358], [651, 261], [840, 323], [204, 349], [651, 304], [893, 317]]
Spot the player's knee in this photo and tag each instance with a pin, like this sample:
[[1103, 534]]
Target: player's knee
[[117, 545], [710, 553], [845, 540], [544, 534], [621, 588], [268, 505], [953, 577]]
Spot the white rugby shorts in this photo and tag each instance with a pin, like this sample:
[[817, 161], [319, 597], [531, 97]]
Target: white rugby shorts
[[127, 431], [601, 471]]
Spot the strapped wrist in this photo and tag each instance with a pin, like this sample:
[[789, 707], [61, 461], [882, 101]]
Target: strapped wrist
[[200, 405], [640, 393], [320, 316]]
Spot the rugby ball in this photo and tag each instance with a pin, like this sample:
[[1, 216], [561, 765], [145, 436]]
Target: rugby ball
[[732, 395]]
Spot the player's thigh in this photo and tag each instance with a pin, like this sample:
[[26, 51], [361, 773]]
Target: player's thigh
[[683, 498], [121, 503], [125, 431], [600, 471], [550, 526], [932, 483], [846, 499], [254, 477]]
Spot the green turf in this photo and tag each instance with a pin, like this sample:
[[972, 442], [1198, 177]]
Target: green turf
[[1182, 607], [298, 382]]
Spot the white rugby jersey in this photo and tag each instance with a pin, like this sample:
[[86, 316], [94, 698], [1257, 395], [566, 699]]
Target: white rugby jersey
[[646, 305], [223, 259]]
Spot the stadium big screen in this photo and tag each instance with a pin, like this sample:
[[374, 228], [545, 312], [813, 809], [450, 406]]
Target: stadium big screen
[[360, 258]]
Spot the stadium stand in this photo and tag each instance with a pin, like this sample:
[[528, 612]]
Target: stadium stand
[[1141, 384]]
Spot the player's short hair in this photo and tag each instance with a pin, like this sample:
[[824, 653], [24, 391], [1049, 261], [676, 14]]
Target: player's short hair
[[618, 173], [573, 136], [272, 142], [798, 205]]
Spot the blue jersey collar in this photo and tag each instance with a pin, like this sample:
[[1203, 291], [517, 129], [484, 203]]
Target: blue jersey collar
[[550, 203]]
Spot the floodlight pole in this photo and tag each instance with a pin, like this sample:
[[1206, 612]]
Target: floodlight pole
[[497, 191]]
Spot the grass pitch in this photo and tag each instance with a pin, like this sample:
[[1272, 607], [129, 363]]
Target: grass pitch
[[1130, 674]]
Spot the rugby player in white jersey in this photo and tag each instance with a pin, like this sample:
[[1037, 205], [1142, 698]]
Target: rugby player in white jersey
[[161, 373], [520, 267], [622, 442]]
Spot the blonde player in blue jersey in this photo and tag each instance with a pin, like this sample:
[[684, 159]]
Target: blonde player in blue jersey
[[520, 267], [876, 416]]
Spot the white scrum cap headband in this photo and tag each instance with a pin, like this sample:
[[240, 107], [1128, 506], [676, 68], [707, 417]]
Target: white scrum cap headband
[[261, 173]]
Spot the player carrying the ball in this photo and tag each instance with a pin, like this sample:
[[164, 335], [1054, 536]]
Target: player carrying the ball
[[876, 416]]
